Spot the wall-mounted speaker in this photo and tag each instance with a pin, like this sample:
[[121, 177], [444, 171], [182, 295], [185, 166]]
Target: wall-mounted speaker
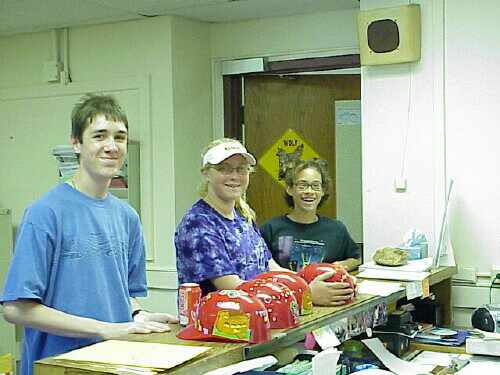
[[389, 35]]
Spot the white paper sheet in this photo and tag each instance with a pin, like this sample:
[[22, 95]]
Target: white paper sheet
[[325, 361], [488, 335], [260, 363], [393, 363], [481, 365], [418, 265], [326, 337], [392, 275], [432, 359], [128, 353], [414, 289], [348, 112], [378, 288]]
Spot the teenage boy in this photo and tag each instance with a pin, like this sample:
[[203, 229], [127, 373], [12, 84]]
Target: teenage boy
[[79, 258]]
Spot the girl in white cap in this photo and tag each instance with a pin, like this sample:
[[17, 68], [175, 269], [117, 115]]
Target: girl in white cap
[[217, 242]]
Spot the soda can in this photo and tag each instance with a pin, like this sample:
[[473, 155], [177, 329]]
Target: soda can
[[188, 301]]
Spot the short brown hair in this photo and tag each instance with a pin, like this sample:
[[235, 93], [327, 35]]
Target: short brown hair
[[299, 165], [89, 107]]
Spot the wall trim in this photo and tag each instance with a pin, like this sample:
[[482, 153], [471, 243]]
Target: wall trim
[[165, 279]]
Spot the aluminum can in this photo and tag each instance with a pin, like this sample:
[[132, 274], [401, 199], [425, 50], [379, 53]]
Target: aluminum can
[[188, 300]]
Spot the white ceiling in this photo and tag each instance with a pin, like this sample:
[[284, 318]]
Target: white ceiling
[[20, 16]]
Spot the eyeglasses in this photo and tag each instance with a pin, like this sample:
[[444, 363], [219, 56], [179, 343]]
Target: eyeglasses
[[303, 186], [227, 170]]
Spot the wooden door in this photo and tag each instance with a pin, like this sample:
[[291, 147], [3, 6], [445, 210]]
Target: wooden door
[[303, 103]]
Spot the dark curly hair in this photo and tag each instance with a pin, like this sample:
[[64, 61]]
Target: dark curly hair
[[298, 166]]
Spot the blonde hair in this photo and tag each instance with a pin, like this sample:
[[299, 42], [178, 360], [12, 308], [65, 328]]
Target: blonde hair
[[241, 205]]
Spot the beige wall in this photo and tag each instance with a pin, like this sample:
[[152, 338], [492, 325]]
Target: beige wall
[[192, 88], [472, 133], [285, 35], [166, 95], [398, 141], [451, 134]]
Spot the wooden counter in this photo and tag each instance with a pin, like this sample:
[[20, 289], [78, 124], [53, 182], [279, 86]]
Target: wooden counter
[[220, 355], [440, 286], [223, 354]]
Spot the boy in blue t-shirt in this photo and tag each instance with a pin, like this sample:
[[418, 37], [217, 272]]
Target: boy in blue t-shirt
[[79, 259]]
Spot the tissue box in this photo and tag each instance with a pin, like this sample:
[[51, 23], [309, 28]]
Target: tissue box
[[415, 252]]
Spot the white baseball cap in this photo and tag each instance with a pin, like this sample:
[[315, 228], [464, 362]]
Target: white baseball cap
[[224, 150]]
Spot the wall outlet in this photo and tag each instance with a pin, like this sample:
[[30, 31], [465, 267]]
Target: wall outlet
[[467, 274], [495, 270], [400, 184]]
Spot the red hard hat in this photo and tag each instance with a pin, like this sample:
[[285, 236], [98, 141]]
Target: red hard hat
[[230, 316], [279, 301], [296, 284], [311, 271]]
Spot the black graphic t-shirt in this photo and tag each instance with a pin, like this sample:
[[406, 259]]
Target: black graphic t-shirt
[[294, 245]]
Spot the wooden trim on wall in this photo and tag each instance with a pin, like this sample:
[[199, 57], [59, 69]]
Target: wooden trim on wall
[[233, 111], [313, 64]]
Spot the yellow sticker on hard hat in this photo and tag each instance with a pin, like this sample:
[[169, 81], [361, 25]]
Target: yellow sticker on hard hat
[[232, 325]]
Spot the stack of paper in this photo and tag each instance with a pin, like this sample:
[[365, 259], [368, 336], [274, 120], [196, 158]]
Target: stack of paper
[[151, 357], [378, 288], [415, 270], [67, 162]]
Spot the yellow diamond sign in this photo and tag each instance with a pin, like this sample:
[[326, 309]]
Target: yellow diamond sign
[[280, 155]]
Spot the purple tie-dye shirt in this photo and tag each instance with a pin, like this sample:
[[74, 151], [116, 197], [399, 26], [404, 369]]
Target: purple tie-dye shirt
[[209, 246]]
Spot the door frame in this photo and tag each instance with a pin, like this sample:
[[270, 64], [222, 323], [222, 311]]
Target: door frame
[[232, 83], [270, 56]]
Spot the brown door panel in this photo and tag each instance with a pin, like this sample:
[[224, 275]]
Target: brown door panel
[[304, 103]]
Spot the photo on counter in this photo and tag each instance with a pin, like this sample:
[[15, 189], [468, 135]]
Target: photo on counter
[[368, 318], [380, 315], [356, 324], [340, 329]]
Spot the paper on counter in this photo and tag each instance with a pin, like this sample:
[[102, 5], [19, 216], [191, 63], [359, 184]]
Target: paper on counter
[[325, 361], [416, 289], [481, 365], [325, 337], [141, 354], [392, 275], [417, 265], [378, 288], [260, 363], [393, 363], [488, 335], [438, 359]]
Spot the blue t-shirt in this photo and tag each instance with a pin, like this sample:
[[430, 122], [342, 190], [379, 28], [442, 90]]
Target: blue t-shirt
[[209, 245], [79, 255]]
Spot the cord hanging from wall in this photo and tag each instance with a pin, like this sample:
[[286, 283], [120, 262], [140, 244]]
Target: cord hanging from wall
[[400, 183], [57, 68]]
